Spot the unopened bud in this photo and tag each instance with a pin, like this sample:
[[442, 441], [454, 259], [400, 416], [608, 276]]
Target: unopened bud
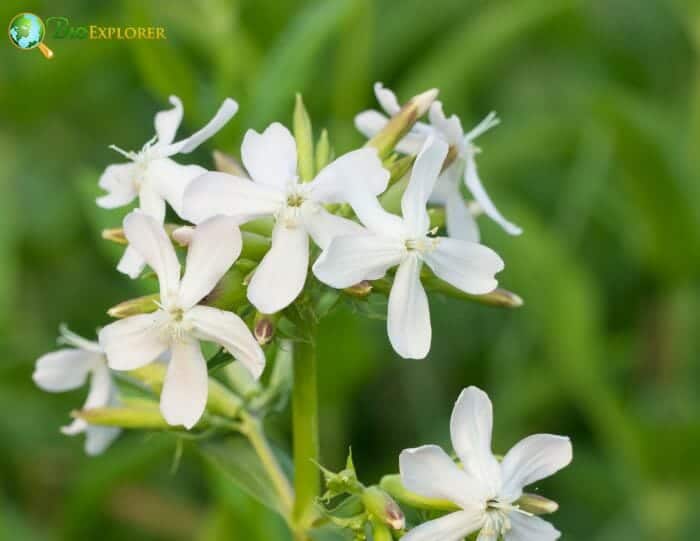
[[241, 380], [132, 307], [183, 235], [360, 290], [115, 234], [399, 168], [392, 484], [263, 328], [536, 504], [228, 164], [255, 246], [380, 531], [138, 414], [400, 124], [304, 138], [382, 506], [152, 375], [323, 151], [499, 297]]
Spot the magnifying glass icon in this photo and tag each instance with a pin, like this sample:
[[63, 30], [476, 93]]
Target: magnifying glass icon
[[27, 31]]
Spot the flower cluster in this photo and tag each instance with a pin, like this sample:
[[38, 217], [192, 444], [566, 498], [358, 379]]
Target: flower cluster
[[278, 239]]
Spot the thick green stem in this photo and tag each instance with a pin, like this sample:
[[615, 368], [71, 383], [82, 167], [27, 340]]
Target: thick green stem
[[307, 476]]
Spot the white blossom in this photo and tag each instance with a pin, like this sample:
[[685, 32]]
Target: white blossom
[[485, 490], [181, 322], [460, 218], [68, 369], [274, 190], [152, 176], [407, 242]]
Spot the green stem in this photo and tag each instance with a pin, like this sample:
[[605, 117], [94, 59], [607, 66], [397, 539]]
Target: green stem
[[252, 428], [307, 476]]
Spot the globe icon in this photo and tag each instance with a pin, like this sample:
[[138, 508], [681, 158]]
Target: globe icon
[[27, 31]]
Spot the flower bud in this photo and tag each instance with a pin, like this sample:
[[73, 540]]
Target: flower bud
[[183, 235], [132, 307], [255, 246], [401, 123], [228, 164], [383, 507], [264, 327], [241, 380], [360, 290], [134, 413], [380, 532], [393, 485], [304, 139], [536, 504], [323, 151], [499, 297], [345, 481], [115, 234], [399, 168]]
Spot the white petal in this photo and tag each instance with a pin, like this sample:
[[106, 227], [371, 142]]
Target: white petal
[[64, 369], [423, 177], [220, 193], [450, 128], [186, 384], [387, 99], [324, 226], [151, 203], [466, 265], [167, 122], [531, 459], [281, 274], [101, 387], [470, 427], [473, 182], [429, 472], [78, 426], [460, 222], [223, 115], [369, 122], [357, 170], [352, 258], [118, 181], [151, 242], [131, 263], [98, 438], [408, 320], [373, 216], [271, 156], [215, 246], [170, 179], [74, 340], [413, 141], [134, 341], [228, 330], [525, 528], [488, 534], [453, 527]]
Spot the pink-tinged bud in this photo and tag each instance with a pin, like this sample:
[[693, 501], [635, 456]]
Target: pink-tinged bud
[[360, 290], [115, 234], [183, 235], [263, 328], [383, 507]]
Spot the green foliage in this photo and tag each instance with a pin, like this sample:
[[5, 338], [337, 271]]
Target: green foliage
[[597, 159]]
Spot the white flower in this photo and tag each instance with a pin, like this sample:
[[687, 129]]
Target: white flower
[[153, 176], [275, 190], [181, 322], [485, 489], [392, 240], [68, 369], [460, 220]]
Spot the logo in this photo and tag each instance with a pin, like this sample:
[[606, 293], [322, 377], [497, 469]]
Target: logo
[[27, 32]]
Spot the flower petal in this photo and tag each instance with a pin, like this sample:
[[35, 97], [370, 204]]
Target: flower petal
[[151, 203], [98, 438], [423, 177], [101, 386], [373, 216], [118, 181], [356, 170], [473, 182], [453, 527], [220, 193], [449, 128], [131, 263], [408, 321], [186, 384], [350, 259], [223, 115], [134, 341], [324, 226], [387, 99], [461, 224], [526, 528], [167, 122], [170, 179], [281, 274], [151, 242], [466, 265], [64, 369], [215, 246], [370, 122], [429, 472], [271, 156], [228, 330], [470, 428], [531, 459]]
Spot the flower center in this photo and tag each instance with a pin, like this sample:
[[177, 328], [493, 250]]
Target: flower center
[[498, 517], [175, 328], [295, 200], [422, 245]]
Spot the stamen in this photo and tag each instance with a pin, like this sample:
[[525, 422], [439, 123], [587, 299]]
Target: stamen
[[482, 127], [130, 154]]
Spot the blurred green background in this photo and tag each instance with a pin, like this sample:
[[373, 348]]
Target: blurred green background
[[597, 158]]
